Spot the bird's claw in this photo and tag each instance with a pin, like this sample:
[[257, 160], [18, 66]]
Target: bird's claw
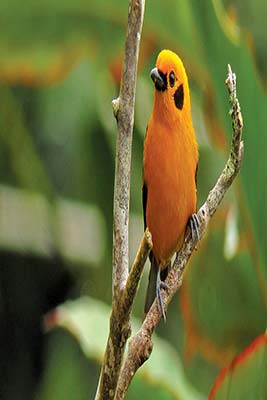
[[194, 227], [161, 285]]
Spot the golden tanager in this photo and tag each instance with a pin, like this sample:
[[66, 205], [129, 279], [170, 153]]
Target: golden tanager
[[169, 170]]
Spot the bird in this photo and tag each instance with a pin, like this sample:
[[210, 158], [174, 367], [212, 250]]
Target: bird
[[170, 162]]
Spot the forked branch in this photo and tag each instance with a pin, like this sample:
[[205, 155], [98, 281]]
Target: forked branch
[[123, 108]]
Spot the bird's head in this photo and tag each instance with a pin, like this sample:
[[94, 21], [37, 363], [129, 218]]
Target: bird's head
[[171, 83]]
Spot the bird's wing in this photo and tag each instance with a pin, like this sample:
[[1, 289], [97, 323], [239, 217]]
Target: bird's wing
[[144, 190]]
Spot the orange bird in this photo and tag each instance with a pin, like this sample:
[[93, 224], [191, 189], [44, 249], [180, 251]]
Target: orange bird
[[170, 168]]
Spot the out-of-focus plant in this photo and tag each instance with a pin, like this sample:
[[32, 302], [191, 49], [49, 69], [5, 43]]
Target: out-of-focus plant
[[60, 67]]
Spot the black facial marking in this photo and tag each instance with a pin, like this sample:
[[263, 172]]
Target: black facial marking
[[179, 97], [172, 79]]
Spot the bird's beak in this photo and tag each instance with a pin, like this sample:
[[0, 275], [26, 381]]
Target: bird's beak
[[159, 79]]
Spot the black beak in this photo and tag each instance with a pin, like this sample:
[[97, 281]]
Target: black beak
[[159, 79]]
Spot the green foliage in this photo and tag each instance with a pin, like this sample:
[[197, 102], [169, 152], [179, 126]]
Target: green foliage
[[60, 68], [246, 377], [62, 353], [84, 317]]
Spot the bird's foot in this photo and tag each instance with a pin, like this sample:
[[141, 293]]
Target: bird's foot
[[161, 285], [194, 227]]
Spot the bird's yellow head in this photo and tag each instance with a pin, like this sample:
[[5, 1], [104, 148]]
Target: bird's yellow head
[[171, 84]]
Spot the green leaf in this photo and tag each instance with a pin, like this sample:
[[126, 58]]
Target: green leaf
[[67, 374], [17, 140], [246, 377], [253, 103], [87, 320], [226, 296]]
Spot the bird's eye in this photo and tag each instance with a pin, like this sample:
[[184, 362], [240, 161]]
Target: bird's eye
[[172, 79]]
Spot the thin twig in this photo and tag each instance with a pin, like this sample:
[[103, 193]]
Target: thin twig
[[123, 109], [140, 346]]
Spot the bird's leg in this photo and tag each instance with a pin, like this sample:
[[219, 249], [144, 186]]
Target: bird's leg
[[160, 285], [194, 227]]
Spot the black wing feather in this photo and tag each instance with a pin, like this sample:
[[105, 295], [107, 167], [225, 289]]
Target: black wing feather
[[196, 175], [144, 190]]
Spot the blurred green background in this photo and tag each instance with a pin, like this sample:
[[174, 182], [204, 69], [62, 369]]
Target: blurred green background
[[60, 66]]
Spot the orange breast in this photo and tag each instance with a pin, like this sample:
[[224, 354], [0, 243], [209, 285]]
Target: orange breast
[[170, 160]]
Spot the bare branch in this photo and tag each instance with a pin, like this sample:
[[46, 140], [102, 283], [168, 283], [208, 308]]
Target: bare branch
[[135, 274], [140, 346], [123, 108]]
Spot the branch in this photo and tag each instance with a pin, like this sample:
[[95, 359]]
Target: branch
[[135, 275], [120, 329], [141, 345], [123, 108]]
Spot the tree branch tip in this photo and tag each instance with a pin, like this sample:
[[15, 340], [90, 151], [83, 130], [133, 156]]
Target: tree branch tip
[[230, 80], [116, 106]]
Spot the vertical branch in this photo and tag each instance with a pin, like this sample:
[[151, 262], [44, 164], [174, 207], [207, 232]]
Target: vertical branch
[[123, 108]]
